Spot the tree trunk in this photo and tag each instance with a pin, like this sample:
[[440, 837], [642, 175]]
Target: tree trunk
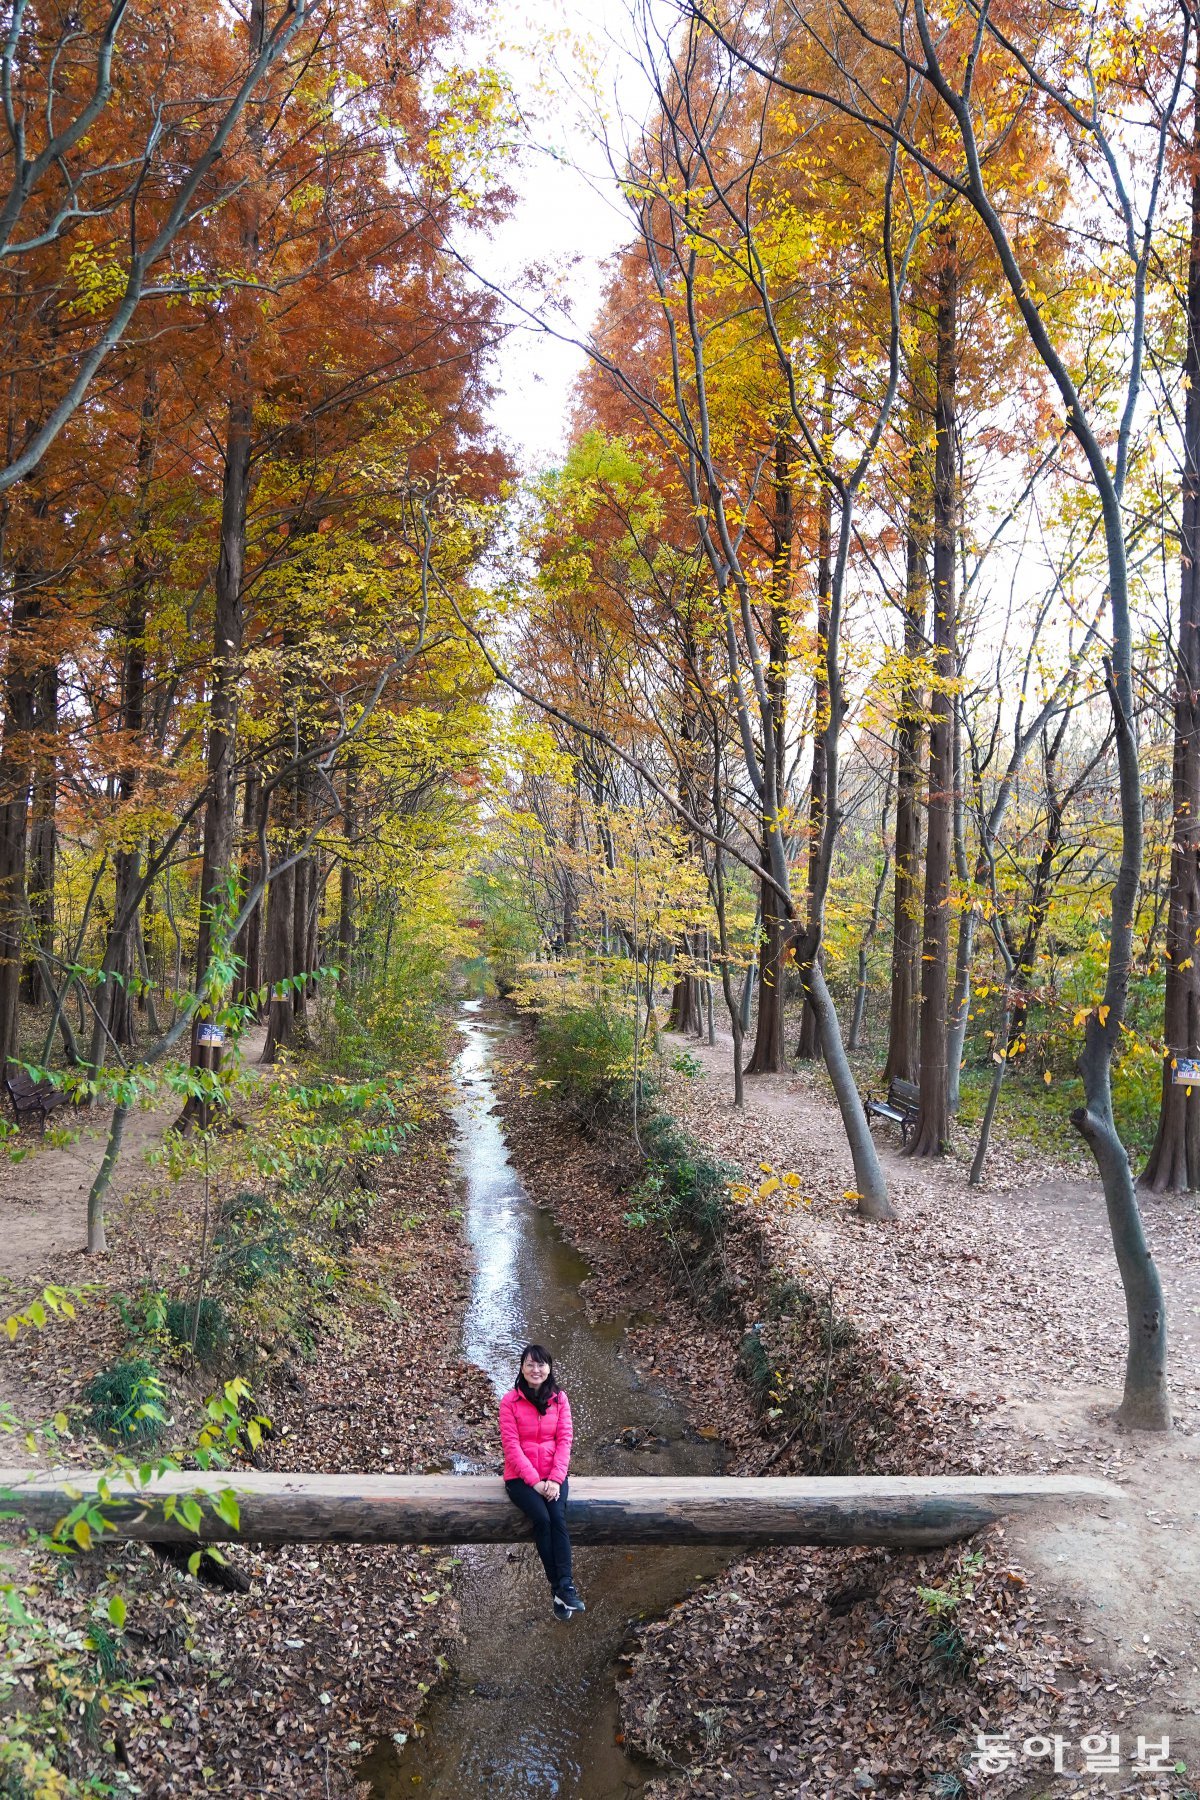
[[348, 883], [1175, 1159], [97, 1242], [808, 1045], [902, 1062], [295, 1507], [43, 834], [868, 938], [229, 624], [687, 1005], [281, 930], [932, 1130], [960, 1006], [20, 692], [302, 884], [769, 1056], [248, 948], [873, 1202], [114, 1000]]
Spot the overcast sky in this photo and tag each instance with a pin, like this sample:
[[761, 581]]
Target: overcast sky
[[569, 215]]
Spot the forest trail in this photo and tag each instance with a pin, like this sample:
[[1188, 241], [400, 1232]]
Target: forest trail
[[43, 1198], [1019, 1327]]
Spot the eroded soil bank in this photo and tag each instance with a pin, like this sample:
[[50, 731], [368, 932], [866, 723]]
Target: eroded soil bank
[[829, 1673]]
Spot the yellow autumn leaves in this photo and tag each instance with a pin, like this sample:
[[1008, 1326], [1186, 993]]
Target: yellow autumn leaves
[[753, 1194]]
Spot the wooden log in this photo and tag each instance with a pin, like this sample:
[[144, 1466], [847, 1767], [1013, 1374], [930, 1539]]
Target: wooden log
[[280, 1508]]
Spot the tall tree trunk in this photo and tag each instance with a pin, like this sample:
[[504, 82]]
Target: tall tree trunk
[[809, 1042], [902, 1062], [932, 1130], [280, 959], [248, 947], [769, 1055], [1175, 1159], [43, 834], [20, 698], [960, 1005], [229, 624], [114, 1020], [302, 887], [687, 1003], [347, 925], [316, 899], [868, 937]]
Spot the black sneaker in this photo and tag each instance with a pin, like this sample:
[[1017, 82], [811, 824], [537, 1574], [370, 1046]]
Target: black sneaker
[[562, 1610], [569, 1595]]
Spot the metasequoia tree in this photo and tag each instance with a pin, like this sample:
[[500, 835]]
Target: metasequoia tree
[[118, 119], [933, 1114], [1174, 1161], [902, 1061], [1111, 97]]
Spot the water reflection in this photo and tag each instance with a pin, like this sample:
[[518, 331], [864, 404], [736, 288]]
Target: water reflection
[[532, 1710]]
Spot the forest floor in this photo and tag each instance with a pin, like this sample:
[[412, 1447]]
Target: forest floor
[[991, 1318], [986, 1335], [1005, 1303], [283, 1689]]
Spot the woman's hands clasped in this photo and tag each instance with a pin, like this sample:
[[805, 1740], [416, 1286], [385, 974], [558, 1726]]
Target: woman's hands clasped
[[549, 1490]]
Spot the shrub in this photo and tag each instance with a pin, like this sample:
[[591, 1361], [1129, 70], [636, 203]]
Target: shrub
[[127, 1402], [685, 1193], [253, 1240], [586, 1052], [808, 1381], [211, 1328]]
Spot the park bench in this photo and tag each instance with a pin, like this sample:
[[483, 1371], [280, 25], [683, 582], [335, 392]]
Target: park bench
[[32, 1098], [901, 1106]]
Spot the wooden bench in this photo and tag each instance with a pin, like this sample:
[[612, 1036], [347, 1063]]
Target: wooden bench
[[901, 1106], [32, 1098]]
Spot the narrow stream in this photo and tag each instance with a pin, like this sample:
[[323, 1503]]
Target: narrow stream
[[531, 1710]]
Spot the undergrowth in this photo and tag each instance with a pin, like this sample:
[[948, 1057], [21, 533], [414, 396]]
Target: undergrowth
[[815, 1392]]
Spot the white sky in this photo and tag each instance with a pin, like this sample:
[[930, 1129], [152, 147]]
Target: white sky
[[569, 217]]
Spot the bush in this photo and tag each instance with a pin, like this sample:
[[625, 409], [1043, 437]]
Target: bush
[[586, 1052], [212, 1328], [253, 1240], [127, 1403], [686, 1194], [810, 1384]]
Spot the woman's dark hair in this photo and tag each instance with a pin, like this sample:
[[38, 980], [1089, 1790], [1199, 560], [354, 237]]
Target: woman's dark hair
[[541, 1396]]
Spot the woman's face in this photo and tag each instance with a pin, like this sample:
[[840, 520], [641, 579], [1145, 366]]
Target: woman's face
[[535, 1370]]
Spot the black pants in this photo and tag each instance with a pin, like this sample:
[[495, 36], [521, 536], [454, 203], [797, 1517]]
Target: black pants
[[549, 1519]]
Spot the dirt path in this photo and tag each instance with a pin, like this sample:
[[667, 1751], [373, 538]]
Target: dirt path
[[43, 1198], [1008, 1297]]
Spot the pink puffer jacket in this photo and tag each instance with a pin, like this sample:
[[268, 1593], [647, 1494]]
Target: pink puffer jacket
[[537, 1446]]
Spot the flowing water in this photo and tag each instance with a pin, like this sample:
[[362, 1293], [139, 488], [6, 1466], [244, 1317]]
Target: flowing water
[[531, 1709]]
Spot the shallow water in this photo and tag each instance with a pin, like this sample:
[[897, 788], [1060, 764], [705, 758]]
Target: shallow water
[[531, 1710]]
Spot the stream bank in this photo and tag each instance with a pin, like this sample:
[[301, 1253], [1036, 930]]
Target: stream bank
[[821, 1673], [278, 1690], [530, 1706]]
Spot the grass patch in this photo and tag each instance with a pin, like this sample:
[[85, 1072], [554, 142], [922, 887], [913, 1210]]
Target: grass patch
[[127, 1403], [211, 1326]]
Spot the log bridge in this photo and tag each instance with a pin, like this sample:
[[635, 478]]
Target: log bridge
[[904, 1511]]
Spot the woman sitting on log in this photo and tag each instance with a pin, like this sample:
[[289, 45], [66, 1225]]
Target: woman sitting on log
[[535, 1429]]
